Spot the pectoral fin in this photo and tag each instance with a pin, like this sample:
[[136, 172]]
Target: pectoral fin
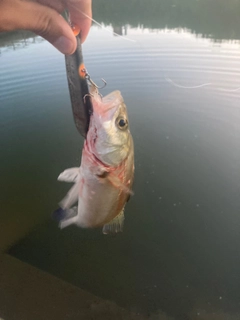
[[69, 175], [116, 225], [104, 175], [116, 182]]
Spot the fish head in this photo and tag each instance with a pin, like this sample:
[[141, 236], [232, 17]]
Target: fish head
[[109, 132]]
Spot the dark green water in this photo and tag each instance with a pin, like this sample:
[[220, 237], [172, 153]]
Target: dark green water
[[179, 253]]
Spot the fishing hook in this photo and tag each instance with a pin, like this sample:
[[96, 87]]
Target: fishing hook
[[93, 83], [88, 78], [90, 95], [96, 86], [87, 95]]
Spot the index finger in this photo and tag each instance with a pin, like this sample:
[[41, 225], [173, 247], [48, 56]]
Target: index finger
[[81, 15]]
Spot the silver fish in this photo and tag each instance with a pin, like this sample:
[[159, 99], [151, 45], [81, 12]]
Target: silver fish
[[102, 184]]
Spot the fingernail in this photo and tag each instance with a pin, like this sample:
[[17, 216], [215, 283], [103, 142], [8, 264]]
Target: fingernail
[[64, 45]]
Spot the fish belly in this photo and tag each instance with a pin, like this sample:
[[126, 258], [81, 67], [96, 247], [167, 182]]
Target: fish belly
[[98, 202]]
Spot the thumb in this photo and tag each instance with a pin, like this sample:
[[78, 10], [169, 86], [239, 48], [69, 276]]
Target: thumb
[[42, 20]]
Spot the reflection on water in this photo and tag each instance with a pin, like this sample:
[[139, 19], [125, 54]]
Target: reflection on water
[[17, 40], [216, 19], [179, 252], [213, 19]]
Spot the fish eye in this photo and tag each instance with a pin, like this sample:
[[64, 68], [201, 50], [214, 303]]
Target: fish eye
[[122, 123]]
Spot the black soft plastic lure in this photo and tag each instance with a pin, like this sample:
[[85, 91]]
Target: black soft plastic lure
[[78, 85]]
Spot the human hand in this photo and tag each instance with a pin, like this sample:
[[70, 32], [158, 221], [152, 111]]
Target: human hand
[[43, 17]]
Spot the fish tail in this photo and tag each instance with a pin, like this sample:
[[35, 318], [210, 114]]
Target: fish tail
[[59, 214], [65, 217], [67, 222]]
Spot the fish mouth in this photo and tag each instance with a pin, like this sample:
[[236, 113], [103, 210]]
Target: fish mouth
[[114, 97], [104, 104]]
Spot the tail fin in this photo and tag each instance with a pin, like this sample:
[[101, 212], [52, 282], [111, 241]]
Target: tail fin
[[67, 222], [59, 214], [65, 217]]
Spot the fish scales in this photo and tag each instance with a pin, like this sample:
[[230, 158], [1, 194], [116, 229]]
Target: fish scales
[[102, 184]]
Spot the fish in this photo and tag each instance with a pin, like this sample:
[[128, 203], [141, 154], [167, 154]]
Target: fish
[[102, 184]]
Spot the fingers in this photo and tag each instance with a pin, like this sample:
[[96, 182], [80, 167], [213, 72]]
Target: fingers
[[81, 14], [43, 18], [47, 23]]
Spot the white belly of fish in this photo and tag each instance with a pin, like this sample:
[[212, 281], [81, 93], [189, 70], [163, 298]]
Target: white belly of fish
[[96, 196]]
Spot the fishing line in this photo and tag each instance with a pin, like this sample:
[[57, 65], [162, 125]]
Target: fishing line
[[229, 90], [166, 78], [112, 32], [186, 87], [101, 26], [199, 86], [104, 28]]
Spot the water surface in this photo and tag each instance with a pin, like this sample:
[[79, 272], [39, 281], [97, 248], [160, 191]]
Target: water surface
[[180, 78]]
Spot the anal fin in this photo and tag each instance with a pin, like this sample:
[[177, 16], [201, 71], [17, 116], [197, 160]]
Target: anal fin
[[114, 226]]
